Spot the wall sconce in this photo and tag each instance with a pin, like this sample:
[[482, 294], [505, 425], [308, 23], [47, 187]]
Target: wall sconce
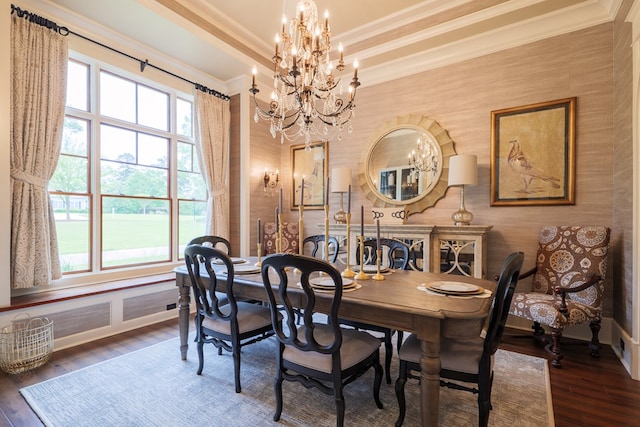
[[271, 180], [463, 170]]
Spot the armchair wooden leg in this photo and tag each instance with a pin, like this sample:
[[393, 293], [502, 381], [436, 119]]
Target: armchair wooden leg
[[594, 345], [554, 347], [538, 331]]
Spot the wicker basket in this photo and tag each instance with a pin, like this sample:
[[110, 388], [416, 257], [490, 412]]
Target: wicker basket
[[25, 344]]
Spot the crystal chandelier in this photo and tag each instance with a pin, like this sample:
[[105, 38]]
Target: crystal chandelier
[[425, 159], [308, 97]]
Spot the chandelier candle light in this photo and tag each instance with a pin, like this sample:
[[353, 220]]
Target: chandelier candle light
[[308, 97], [463, 170]]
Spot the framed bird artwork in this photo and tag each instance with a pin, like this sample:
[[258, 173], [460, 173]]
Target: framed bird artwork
[[533, 154]]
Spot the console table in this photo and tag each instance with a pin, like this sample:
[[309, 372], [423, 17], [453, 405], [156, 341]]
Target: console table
[[447, 249]]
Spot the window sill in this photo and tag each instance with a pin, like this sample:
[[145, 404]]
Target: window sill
[[59, 295]]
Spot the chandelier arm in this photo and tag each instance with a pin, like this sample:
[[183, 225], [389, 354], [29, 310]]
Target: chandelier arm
[[273, 114]]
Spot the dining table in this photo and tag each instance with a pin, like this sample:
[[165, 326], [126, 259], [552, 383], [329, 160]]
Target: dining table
[[404, 300]]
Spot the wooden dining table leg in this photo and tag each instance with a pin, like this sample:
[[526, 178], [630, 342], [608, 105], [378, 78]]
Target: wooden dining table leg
[[184, 299], [429, 335]]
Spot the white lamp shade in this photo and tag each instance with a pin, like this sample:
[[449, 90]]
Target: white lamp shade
[[340, 180], [463, 169]]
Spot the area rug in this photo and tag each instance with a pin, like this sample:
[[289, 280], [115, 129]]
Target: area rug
[[154, 387]]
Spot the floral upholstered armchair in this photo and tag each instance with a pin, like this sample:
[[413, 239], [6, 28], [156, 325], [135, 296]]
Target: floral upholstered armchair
[[290, 238], [568, 284]]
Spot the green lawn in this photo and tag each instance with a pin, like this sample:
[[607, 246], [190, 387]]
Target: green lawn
[[126, 231]]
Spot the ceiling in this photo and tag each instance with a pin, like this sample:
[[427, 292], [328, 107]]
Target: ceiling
[[223, 39]]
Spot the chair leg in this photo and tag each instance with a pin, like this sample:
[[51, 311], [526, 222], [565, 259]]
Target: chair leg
[[400, 382], [388, 354], [339, 398], [484, 396], [377, 381], [594, 345], [400, 339], [200, 347], [538, 331], [554, 347], [236, 366], [277, 387]]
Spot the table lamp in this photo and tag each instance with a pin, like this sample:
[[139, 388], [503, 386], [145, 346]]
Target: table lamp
[[340, 180], [463, 170]]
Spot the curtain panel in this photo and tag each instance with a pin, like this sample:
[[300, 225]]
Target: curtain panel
[[213, 118], [38, 93]]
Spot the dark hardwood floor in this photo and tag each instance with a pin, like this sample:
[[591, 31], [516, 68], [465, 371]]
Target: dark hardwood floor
[[586, 391]]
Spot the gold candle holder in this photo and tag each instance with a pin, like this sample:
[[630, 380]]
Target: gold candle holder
[[348, 272], [259, 263], [361, 274], [279, 238], [378, 275], [300, 230], [326, 233]]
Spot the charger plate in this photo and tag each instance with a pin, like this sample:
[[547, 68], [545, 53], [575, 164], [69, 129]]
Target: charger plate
[[455, 288]]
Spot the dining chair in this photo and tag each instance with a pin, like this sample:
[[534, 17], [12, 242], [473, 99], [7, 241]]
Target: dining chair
[[212, 241], [316, 243], [568, 284], [226, 323], [318, 353], [466, 360], [398, 257]]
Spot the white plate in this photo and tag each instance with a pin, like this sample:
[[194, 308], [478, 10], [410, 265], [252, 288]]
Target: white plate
[[218, 261], [327, 283], [245, 269], [454, 287], [368, 268]]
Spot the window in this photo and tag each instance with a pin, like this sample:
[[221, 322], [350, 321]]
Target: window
[[127, 190]]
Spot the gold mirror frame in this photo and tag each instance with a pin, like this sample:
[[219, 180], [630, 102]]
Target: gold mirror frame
[[428, 198]]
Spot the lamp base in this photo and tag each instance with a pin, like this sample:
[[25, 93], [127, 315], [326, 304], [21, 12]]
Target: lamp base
[[340, 217], [462, 217]]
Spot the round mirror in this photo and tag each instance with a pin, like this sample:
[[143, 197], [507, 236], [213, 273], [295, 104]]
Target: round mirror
[[407, 164]]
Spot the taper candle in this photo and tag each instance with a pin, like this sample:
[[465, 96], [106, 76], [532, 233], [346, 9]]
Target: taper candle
[[326, 196], [378, 234], [280, 201], [259, 228], [361, 220], [302, 193], [349, 199]]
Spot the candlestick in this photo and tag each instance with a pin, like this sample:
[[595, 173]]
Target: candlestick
[[361, 274], [348, 272], [276, 220], [326, 196], [259, 228], [326, 232], [259, 263], [300, 229], [378, 275], [279, 238], [349, 200]]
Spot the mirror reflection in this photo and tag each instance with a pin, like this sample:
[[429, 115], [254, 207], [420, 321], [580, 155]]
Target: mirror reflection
[[405, 163]]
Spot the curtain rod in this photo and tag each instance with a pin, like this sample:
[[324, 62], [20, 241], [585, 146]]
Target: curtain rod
[[64, 31]]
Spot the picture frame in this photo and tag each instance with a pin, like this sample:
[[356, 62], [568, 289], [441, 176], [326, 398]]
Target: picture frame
[[533, 154], [310, 163]]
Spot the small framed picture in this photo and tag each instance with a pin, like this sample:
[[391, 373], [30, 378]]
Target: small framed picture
[[309, 168]]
